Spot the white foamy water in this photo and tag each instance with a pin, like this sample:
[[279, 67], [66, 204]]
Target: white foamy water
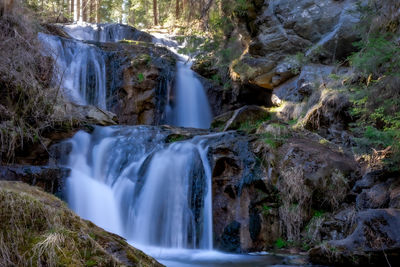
[[158, 196]]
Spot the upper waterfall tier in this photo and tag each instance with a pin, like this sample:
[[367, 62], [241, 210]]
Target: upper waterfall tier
[[131, 80], [81, 69], [112, 32]]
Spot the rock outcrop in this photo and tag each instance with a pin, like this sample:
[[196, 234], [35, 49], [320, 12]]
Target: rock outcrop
[[50, 179], [319, 30], [141, 76], [375, 240]]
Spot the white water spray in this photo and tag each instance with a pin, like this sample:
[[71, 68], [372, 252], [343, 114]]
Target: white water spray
[[151, 193]]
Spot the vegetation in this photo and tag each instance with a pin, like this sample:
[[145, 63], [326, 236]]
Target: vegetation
[[376, 98], [27, 96], [280, 243], [37, 229]]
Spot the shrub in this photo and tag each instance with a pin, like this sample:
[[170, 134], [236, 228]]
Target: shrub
[[280, 243]]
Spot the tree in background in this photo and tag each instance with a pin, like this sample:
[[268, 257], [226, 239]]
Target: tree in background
[[190, 14]]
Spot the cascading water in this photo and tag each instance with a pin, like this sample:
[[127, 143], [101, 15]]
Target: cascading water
[[81, 70], [190, 107], [128, 181], [104, 32]]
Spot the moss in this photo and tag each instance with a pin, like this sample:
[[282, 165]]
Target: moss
[[175, 138], [280, 243], [38, 229]]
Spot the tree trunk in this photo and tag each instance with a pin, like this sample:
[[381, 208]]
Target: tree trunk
[[155, 12], [205, 13], [78, 10], [131, 18], [92, 13], [177, 9], [84, 10], [6, 7], [71, 9], [98, 17]]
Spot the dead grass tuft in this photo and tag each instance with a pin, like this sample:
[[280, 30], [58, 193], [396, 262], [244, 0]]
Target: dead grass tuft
[[296, 202]]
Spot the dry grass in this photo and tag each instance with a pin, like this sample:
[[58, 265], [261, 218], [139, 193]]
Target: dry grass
[[298, 197], [26, 95], [37, 229], [296, 202]]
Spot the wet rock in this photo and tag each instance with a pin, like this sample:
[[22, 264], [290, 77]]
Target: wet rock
[[51, 179], [140, 75], [376, 239], [235, 179], [230, 240], [234, 119]]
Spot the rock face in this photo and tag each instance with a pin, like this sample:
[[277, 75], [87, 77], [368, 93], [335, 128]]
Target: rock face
[[42, 231], [234, 172], [141, 76], [321, 30], [376, 239], [48, 178]]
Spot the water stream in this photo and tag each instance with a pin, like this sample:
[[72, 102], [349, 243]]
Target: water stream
[[128, 181], [80, 70], [131, 181]]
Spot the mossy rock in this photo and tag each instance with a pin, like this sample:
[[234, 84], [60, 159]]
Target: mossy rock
[[38, 229]]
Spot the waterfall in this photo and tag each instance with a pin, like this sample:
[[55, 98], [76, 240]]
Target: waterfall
[[130, 182], [190, 107], [104, 32], [80, 69]]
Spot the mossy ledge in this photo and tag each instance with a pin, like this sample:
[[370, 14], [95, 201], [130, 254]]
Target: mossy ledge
[[38, 229]]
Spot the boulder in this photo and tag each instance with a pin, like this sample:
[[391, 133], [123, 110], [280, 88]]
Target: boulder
[[79, 114], [375, 240], [374, 198], [310, 176], [332, 111], [378, 189], [309, 79]]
